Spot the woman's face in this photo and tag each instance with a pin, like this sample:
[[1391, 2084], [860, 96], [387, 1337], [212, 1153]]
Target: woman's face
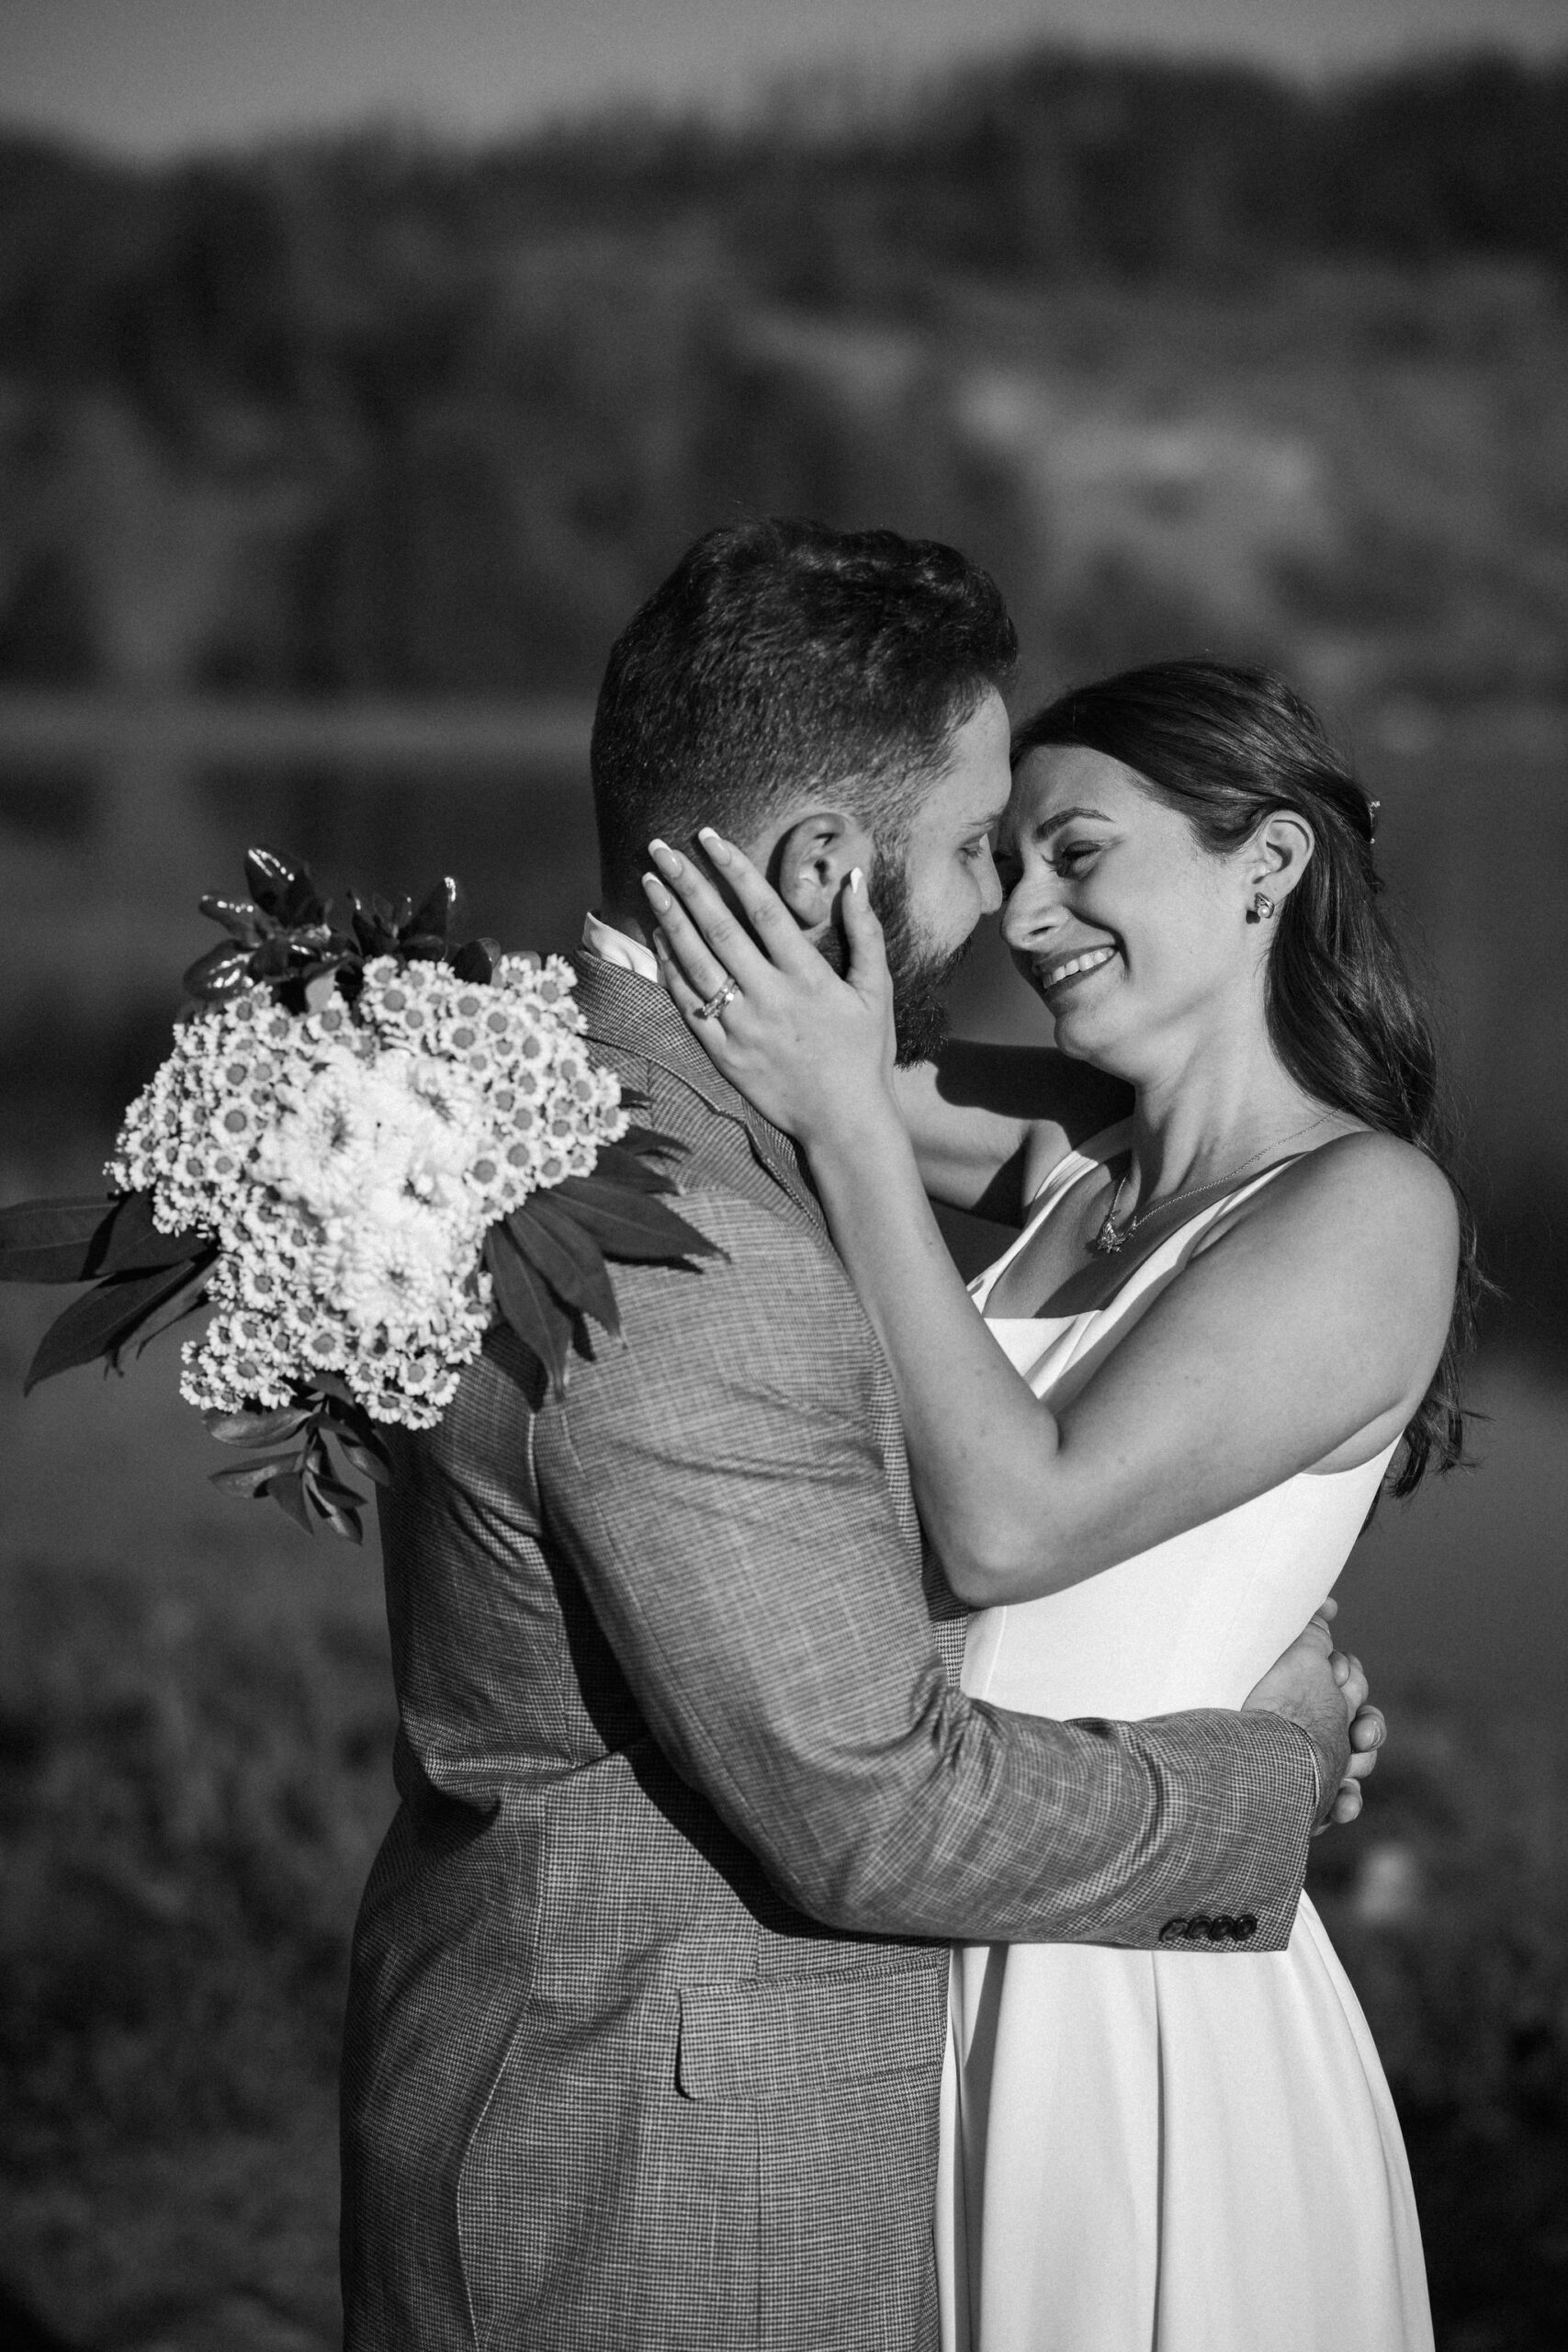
[[1129, 930]]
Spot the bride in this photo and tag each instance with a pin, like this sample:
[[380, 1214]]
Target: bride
[[1145, 1459]]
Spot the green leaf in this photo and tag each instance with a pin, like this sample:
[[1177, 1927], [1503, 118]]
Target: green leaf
[[253, 1477], [526, 1301], [185, 1302], [100, 1324], [240, 919], [271, 879], [274, 959], [222, 971], [258, 1428], [631, 1161], [632, 1225], [288, 1492], [432, 919], [370, 1461], [78, 1240], [568, 1258], [302, 902], [344, 1521], [322, 1484], [475, 960], [131, 1243]]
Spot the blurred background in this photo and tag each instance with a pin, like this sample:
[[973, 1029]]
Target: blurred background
[[362, 365]]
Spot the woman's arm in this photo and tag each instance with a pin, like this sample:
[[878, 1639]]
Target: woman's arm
[[1313, 1324], [1315, 1321]]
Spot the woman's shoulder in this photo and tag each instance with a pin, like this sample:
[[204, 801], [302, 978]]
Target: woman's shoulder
[[1368, 1191], [1367, 1165]]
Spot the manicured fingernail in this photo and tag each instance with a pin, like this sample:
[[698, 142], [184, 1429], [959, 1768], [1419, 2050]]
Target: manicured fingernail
[[856, 879], [665, 858], [717, 849], [658, 895]]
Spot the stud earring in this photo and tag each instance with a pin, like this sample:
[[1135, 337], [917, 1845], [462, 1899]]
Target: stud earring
[[1260, 908]]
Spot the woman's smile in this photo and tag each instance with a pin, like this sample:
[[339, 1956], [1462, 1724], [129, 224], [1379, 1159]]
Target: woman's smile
[[1068, 969]]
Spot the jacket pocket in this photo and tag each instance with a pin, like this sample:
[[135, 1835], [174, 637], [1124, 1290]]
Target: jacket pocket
[[777, 2036]]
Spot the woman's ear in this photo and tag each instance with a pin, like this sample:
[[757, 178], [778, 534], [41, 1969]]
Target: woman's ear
[[812, 862], [1282, 849]]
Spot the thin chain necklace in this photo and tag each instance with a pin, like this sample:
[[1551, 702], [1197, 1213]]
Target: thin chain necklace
[[1112, 1236]]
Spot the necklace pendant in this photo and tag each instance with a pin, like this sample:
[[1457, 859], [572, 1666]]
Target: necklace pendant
[[1107, 1240]]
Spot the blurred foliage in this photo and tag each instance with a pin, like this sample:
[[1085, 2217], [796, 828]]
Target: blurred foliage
[[1448, 1908], [190, 1791], [375, 412]]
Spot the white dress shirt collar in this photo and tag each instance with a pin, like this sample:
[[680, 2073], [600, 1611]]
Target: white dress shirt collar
[[612, 946]]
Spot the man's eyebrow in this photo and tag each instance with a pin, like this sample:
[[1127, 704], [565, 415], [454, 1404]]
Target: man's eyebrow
[[1064, 817]]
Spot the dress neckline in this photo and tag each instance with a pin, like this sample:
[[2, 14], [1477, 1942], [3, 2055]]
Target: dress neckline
[[1070, 1171]]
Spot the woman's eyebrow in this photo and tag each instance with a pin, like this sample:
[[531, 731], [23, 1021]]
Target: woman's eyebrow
[[1042, 833]]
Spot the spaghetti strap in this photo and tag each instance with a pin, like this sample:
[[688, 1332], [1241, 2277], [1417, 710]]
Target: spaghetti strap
[[1057, 1183]]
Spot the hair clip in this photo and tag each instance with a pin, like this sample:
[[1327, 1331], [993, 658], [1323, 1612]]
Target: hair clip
[[1374, 806]]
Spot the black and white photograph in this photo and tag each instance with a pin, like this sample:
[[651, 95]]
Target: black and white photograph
[[783, 1175]]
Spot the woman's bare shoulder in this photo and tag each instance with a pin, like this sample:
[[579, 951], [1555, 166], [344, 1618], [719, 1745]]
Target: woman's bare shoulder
[[1368, 1192], [1367, 1166]]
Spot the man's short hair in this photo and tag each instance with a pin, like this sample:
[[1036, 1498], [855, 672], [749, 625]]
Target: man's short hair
[[779, 658]]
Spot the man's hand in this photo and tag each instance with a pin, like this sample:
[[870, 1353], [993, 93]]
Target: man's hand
[[1323, 1692]]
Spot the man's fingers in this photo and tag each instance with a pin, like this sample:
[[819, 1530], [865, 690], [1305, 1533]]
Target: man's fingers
[[1350, 1675], [1369, 1729], [1316, 1633]]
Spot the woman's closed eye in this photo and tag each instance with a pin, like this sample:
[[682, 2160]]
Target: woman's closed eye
[[1071, 857]]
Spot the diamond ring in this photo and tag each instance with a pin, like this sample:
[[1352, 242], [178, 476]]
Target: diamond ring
[[715, 1005]]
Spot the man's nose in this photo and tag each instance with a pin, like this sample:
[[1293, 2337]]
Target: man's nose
[[991, 892]]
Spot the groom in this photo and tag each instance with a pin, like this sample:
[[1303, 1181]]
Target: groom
[[649, 1984]]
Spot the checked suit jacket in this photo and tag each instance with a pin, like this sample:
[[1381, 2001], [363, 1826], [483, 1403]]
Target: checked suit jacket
[[649, 1991]]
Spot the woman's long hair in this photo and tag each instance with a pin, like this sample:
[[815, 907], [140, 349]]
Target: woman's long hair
[[1228, 747]]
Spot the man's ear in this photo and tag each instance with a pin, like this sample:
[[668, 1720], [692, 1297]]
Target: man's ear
[[812, 862]]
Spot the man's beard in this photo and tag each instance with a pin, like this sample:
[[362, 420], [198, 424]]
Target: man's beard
[[919, 974]]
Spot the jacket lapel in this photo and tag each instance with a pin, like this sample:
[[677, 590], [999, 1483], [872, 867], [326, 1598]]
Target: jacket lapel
[[626, 1011]]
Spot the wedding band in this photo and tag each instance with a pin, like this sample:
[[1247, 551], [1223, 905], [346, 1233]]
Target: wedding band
[[715, 1004]]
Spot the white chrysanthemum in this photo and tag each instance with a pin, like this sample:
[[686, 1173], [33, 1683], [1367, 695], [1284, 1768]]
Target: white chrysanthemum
[[392, 1268], [320, 1152]]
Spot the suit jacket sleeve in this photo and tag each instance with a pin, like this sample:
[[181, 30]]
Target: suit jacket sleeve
[[719, 1486]]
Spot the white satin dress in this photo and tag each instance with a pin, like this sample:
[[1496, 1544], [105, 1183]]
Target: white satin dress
[[1167, 2150]]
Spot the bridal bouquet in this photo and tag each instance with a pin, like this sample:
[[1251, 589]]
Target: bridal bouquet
[[366, 1148]]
